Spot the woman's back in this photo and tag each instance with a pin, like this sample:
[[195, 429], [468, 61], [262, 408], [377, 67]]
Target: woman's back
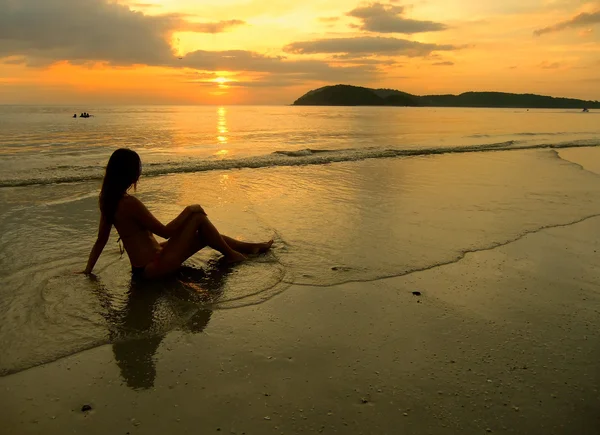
[[139, 242]]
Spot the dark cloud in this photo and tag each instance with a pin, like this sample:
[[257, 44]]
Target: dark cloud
[[53, 30], [16, 60], [367, 45], [42, 32], [241, 60], [91, 30], [382, 18], [447, 63], [583, 19], [361, 60], [39, 33]]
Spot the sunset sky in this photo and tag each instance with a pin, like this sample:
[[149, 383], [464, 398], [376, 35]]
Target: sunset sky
[[272, 51]]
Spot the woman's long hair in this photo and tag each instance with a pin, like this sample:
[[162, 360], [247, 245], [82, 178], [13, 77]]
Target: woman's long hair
[[122, 171]]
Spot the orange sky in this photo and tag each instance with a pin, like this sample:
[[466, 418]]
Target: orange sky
[[271, 52]]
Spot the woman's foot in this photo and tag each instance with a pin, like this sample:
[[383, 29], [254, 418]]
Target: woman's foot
[[234, 257], [261, 248]]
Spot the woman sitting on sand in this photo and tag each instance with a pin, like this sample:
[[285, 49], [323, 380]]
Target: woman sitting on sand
[[187, 233]]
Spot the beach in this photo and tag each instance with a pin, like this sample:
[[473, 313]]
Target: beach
[[419, 283], [502, 341]]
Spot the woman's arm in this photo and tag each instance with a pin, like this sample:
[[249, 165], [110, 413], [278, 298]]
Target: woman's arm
[[103, 235]]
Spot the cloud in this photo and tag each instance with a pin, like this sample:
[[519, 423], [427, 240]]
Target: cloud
[[144, 5], [39, 33], [550, 65], [218, 27], [581, 20], [242, 60], [82, 31], [447, 63], [207, 80], [269, 82], [13, 60], [382, 18], [329, 19], [367, 45], [361, 60]]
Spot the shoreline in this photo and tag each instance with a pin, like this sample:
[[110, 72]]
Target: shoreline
[[502, 341]]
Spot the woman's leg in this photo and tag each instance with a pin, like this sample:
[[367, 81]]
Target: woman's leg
[[196, 233], [246, 247]]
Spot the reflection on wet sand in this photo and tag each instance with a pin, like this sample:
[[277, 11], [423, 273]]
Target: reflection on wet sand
[[137, 328]]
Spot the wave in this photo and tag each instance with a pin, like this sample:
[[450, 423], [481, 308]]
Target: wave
[[304, 152], [557, 133], [289, 158], [532, 134]]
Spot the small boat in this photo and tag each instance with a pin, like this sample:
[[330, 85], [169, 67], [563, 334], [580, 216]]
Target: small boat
[[586, 110]]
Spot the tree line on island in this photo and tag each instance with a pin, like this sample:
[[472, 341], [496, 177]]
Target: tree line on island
[[347, 95]]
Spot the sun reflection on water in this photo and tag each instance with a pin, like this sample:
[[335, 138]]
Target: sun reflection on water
[[222, 125]]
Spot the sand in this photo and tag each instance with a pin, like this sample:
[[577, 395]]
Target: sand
[[503, 341]]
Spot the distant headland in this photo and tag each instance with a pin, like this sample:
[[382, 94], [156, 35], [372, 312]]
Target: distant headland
[[347, 95]]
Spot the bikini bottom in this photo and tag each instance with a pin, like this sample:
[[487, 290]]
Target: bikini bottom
[[138, 272]]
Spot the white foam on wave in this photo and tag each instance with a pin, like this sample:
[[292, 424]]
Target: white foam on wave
[[284, 158]]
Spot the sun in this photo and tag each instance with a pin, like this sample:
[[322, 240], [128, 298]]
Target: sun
[[222, 81]]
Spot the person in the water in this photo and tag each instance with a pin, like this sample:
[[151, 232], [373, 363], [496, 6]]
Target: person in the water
[[186, 234]]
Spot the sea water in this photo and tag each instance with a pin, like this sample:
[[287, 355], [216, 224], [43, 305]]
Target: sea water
[[348, 194]]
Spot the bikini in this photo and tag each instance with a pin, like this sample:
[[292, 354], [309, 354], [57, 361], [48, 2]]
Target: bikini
[[137, 272]]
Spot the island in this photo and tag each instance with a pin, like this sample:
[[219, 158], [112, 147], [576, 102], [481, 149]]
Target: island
[[347, 95]]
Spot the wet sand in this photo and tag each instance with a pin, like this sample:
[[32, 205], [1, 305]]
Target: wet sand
[[503, 341]]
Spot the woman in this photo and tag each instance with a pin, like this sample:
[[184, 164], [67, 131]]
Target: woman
[[187, 233]]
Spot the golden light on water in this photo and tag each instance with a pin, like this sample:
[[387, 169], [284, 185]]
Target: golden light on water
[[222, 121], [222, 126]]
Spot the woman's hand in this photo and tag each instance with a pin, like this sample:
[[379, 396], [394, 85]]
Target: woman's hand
[[195, 208]]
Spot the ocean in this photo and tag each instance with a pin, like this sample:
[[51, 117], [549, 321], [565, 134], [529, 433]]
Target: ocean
[[349, 194]]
